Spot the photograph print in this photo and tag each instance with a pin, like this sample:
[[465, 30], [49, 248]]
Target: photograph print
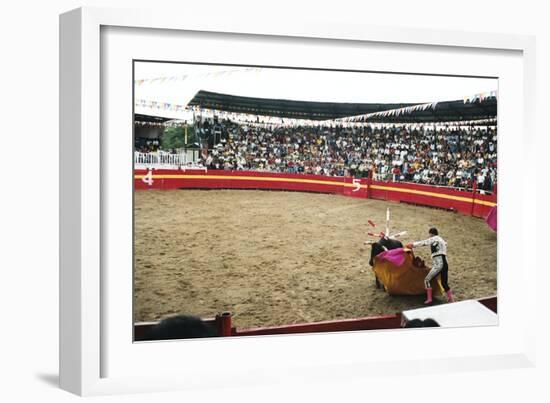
[[272, 200]]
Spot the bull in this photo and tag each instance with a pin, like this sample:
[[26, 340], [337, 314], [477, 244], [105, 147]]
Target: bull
[[383, 244]]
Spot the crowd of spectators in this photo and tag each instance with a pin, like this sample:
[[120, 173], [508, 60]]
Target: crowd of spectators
[[146, 145], [449, 156]]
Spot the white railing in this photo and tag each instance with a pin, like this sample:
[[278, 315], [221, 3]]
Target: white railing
[[165, 160]]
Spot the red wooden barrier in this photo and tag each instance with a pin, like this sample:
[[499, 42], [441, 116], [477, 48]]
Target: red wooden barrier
[[372, 323], [223, 324], [464, 202], [490, 302]]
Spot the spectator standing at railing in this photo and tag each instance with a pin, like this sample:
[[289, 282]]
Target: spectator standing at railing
[[480, 180], [396, 172]]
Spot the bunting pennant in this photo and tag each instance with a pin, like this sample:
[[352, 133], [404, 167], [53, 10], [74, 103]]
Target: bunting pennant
[[171, 123], [185, 76], [389, 112], [161, 105]]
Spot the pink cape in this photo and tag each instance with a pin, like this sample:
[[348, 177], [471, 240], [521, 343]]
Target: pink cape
[[395, 256], [491, 219]]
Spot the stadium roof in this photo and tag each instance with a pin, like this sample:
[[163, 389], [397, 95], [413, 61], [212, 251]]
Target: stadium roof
[[443, 111], [286, 108], [150, 119]]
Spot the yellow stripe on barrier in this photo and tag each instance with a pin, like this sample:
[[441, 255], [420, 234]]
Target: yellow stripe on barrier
[[485, 203], [422, 193], [433, 194], [321, 182]]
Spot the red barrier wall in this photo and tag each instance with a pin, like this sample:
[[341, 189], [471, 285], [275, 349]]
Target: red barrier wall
[[200, 179], [462, 201]]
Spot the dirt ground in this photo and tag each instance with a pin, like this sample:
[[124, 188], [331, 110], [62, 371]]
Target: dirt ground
[[274, 258]]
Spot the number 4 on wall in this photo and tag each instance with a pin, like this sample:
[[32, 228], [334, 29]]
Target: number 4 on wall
[[148, 179]]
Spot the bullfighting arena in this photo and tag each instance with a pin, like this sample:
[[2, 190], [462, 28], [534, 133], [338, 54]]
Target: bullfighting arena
[[277, 257]]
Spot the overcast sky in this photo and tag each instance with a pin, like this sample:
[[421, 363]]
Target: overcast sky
[[304, 85]]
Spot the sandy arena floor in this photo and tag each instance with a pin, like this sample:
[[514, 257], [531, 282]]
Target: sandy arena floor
[[274, 258]]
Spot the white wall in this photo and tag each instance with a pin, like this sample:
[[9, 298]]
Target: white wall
[[29, 212]]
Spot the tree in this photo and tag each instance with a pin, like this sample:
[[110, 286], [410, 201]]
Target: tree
[[174, 137]]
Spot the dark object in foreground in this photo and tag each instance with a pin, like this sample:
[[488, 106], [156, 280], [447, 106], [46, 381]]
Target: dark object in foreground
[[181, 327], [428, 322]]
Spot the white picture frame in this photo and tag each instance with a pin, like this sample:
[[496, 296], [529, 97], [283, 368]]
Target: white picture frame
[[85, 344]]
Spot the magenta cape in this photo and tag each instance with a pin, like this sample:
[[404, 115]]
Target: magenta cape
[[395, 256]]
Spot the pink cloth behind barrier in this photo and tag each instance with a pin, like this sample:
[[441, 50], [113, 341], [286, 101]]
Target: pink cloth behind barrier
[[491, 219], [394, 256]]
